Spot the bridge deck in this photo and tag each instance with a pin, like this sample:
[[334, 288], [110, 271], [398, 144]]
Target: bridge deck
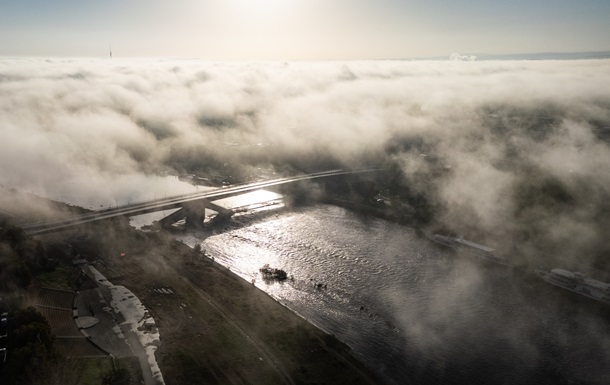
[[177, 202]]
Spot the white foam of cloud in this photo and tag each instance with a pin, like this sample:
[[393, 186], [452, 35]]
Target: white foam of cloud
[[101, 130]]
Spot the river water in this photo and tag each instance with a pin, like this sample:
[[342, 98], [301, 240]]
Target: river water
[[415, 312]]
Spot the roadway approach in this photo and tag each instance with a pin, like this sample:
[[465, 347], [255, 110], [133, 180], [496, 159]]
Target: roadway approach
[[191, 203]]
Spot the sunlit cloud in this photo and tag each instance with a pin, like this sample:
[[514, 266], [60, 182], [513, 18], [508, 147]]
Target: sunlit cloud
[[469, 135]]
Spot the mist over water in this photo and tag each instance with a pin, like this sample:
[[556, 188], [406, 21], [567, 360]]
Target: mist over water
[[417, 313]]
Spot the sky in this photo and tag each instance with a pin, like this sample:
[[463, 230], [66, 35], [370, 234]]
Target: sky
[[300, 29]]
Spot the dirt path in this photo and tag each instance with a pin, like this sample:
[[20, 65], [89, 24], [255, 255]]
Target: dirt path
[[216, 328], [130, 310], [262, 347], [275, 330], [139, 352]]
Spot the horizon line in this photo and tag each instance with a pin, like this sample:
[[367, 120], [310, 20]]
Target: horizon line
[[542, 55]]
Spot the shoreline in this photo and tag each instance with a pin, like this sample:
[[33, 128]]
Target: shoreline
[[338, 347], [227, 331], [217, 326]]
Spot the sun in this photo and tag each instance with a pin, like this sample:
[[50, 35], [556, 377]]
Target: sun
[[261, 6]]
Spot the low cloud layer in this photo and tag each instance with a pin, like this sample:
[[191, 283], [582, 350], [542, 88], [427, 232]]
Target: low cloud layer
[[483, 139]]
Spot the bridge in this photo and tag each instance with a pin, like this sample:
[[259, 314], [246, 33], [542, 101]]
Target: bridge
[[189, 204]]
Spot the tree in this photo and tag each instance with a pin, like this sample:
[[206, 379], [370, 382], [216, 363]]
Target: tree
[[196, 253], [12, 234], [31, 353]]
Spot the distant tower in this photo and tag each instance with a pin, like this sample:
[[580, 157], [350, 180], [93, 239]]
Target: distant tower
[[111, 51]]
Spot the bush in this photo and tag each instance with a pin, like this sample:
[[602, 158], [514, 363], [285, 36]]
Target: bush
[[117, 376], [31, 353]]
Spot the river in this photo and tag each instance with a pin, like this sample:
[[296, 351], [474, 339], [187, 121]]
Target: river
[[417, 313]]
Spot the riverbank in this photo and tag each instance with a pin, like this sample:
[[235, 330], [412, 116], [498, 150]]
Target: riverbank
[[216, 328]]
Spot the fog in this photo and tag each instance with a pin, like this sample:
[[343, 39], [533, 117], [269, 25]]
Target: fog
[[505, 150]]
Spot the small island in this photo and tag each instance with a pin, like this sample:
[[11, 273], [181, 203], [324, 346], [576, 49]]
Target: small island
[[270, 273]]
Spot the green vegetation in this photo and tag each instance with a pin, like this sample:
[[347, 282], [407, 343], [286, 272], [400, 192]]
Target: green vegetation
[[404, 200], [93, 369], [30, 353], [191, 369], [117, 376], [32, 358], [61, 277], [21, 258]]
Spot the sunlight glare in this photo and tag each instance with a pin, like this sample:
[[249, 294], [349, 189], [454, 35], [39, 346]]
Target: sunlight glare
[[258, 7], [250, 198]]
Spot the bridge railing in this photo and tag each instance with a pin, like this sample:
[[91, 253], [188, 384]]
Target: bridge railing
[[123, 209], [187, 195], [164, 200], [194, 194]]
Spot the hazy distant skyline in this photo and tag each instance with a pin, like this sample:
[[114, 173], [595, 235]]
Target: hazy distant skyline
[[300, 29]]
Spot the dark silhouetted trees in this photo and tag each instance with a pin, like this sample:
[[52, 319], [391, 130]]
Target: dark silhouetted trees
[[21, 258], [30, 349]]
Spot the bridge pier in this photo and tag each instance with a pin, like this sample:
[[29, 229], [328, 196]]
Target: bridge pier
[[181, 201], [194, 214]]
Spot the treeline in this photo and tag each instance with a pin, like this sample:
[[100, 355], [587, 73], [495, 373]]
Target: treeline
[[31, 355], [385, 193], [28, 340], [32, 358], [21, 258]]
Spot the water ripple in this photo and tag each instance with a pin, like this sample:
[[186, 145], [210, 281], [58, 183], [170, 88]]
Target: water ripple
[[414, 311]]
